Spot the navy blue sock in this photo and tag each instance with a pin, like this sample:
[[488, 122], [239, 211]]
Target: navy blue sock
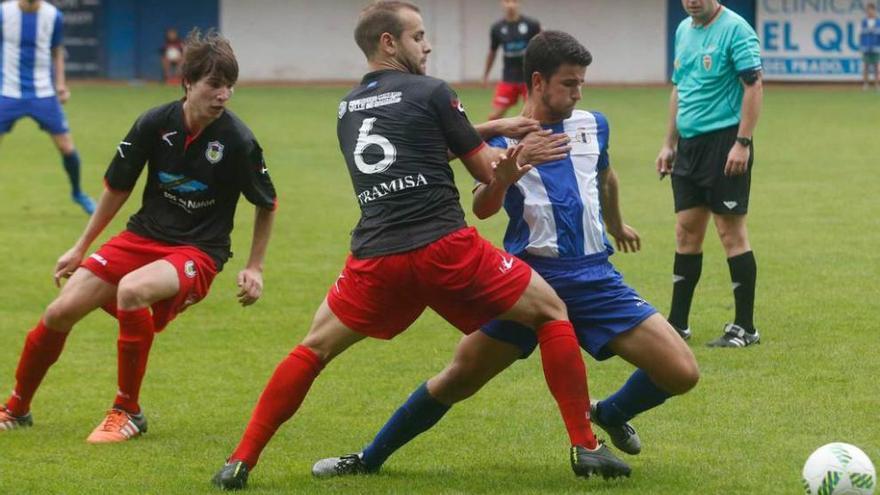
[[637, 395], [419, 413], [71, 166]]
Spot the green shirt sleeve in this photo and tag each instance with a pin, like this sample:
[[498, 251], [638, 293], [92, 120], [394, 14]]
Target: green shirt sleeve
[[745, 48]]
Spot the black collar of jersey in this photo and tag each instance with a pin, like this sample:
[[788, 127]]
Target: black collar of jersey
[[177, 122], [372, 76]]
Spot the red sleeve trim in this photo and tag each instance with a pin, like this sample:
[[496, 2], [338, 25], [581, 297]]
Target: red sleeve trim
[[473, 151]]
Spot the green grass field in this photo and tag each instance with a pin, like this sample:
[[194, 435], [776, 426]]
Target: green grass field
[[747, 428]]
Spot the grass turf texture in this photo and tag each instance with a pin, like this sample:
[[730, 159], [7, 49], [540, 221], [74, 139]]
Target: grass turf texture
[[747, 428]]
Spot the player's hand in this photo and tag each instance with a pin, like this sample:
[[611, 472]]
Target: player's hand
[[250, 283], [627, 239], [67, 264], [737, 160], [507, 169], [63, 94], [516, 127], [543, 146], [665, 159]]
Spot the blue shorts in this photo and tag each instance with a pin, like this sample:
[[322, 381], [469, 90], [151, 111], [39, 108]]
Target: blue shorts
[[46, 111], [600, 305]]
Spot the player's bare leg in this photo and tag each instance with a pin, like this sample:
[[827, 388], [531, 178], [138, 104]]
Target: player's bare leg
[[136, 291], [478, 358], [566, 375], [288, 386], [71, 161], [82, 294], [734, 237], [690, 230], [666, 367]]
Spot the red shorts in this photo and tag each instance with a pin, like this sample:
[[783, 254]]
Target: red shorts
[[461, 276], [127, 252], [507, 94]]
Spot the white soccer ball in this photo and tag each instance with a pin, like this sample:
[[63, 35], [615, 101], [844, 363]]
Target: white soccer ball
[[839, 469], [173, 54]]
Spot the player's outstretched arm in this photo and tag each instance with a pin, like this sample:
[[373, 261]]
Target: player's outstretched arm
[[511, 127], [108, 205], [250, 280], [626, 237], [489, 196], [667, 152]]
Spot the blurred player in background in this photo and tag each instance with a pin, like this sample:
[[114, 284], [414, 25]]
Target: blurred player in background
[[172, 56], [201, 159], [412, 248], [32, 80], [713, 112], [512, 33], [869, 43], [556, 214]]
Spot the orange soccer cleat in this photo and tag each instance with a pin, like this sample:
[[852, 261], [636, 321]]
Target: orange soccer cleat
[[118, 426]]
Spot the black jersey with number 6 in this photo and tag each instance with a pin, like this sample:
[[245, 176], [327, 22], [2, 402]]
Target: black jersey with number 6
[[394, 131], [193, 182]]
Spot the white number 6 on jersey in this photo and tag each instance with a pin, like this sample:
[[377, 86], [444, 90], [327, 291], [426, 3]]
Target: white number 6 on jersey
[[365, 139]]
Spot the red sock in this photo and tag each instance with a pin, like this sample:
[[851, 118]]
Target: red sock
[[566, 378], [133, 345], [41, 349], [279, 401]]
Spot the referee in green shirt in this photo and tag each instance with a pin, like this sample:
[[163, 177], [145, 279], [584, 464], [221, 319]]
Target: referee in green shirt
[[715, 103]]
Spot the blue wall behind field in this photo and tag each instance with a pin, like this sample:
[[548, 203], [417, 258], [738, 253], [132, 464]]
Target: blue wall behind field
[[134, 32], [675, 14]]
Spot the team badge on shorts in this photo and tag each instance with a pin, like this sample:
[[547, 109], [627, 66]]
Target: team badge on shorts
[[214, 153], [707, 62], [342, 108], [189, 269]]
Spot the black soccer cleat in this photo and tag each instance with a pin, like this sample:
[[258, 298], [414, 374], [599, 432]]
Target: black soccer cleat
[[347, 465], [624, 436], [736, 336], [684, 333], [601, 461], [8, 421], [233, 476]]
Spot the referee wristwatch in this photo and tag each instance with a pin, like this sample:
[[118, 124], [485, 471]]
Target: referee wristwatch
[[745, 141]]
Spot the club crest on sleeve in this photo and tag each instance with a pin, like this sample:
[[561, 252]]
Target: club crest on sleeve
[[523, 28], [214, 153], [707, 62], [456, 104], [189, 269], [343, 106]]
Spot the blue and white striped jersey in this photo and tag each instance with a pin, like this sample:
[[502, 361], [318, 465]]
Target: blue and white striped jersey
[[554, 209], [26, 43]]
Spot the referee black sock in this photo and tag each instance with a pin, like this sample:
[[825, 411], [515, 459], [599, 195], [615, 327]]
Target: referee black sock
[[685, 275], [743, 273]]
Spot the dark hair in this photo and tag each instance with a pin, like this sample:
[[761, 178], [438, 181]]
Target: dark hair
[[549, 50], [208, 55], [376, 19]]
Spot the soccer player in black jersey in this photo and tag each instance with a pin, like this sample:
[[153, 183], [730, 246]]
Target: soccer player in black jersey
[[201, 158], [512, 34], [411, 248]]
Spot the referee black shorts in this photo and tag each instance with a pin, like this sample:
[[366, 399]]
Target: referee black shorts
[[698, 174]]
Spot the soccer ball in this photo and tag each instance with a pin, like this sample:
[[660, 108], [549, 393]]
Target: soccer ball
[[839, 469]]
